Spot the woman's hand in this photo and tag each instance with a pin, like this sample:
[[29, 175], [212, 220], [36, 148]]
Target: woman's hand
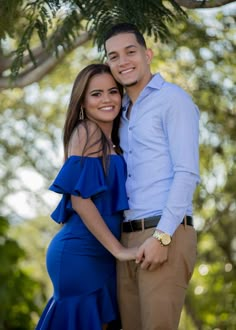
[[126, 254]]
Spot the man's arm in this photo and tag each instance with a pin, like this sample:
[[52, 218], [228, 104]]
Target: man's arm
[[181, 125]]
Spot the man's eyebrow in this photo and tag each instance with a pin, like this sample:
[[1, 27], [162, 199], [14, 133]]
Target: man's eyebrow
[[127, 47]]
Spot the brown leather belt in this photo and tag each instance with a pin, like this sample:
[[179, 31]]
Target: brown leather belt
[[140, 224]]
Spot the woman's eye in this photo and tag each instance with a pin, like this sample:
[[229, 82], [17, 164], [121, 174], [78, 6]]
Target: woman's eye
[[114, 91], [96, 94]]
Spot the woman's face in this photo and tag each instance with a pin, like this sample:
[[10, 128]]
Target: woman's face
[[102, 100]]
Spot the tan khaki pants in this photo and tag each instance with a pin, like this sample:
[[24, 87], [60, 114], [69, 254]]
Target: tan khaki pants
[[154, 299]]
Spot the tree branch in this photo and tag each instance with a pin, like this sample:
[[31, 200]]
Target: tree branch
[[46, 63], [6, 63], [193, 4]]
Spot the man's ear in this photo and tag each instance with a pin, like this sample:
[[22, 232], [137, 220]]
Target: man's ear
[[149, 55]]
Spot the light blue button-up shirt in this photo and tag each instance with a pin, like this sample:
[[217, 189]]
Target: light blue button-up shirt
[[160, 141]]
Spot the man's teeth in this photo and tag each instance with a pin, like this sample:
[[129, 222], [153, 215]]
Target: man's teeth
[[126, 71]]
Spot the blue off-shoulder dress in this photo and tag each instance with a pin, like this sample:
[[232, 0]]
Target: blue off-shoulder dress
[[82, 271]]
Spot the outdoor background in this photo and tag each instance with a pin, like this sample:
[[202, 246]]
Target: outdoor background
[[43, 45]]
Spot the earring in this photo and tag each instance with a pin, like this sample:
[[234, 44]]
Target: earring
[[81, 114]]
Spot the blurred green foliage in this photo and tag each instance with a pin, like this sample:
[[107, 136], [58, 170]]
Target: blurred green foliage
[[20, 294]]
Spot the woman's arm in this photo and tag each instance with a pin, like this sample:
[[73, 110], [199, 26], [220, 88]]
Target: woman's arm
[[95, 223], [84, 206]]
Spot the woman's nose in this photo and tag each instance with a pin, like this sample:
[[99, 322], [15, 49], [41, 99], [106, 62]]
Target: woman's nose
[[106, 97]]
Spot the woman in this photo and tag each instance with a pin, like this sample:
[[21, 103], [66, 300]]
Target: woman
[[80, 258]]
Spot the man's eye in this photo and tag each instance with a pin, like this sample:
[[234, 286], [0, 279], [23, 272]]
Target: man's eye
[[113, 58], [131, 52]]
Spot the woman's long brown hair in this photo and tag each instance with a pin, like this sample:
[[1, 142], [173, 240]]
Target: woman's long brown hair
[[73, 112]]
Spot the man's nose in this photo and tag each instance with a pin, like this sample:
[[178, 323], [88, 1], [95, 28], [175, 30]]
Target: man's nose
[[123, 59]]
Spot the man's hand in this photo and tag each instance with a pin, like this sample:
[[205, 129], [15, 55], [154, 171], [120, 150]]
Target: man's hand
[[151, 254]]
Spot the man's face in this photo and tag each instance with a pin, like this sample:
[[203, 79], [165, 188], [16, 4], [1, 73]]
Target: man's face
[[128, 60]]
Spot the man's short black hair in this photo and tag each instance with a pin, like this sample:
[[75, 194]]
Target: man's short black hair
[[125, 28]]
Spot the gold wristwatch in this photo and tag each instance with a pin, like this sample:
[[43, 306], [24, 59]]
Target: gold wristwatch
[[163, 238]]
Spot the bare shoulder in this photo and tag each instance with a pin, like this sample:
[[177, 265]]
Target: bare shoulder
[[86, 140]]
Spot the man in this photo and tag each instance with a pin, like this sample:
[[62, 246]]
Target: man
[[159, 137]]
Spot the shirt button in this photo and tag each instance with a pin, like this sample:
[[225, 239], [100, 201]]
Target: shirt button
[[129, 175], [130, 128], [130, 151]]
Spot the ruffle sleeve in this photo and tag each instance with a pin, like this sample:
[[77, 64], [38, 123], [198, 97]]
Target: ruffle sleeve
[[74, 178]]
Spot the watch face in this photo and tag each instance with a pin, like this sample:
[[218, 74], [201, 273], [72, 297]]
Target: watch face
[[165, 239]]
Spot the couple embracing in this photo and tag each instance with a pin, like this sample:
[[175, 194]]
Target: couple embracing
[[127, 247]]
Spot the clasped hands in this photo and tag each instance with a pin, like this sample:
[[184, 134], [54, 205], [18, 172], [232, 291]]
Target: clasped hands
[[150, 255]]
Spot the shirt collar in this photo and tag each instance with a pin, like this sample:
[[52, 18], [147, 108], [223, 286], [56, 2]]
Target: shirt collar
[[156, 82]]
